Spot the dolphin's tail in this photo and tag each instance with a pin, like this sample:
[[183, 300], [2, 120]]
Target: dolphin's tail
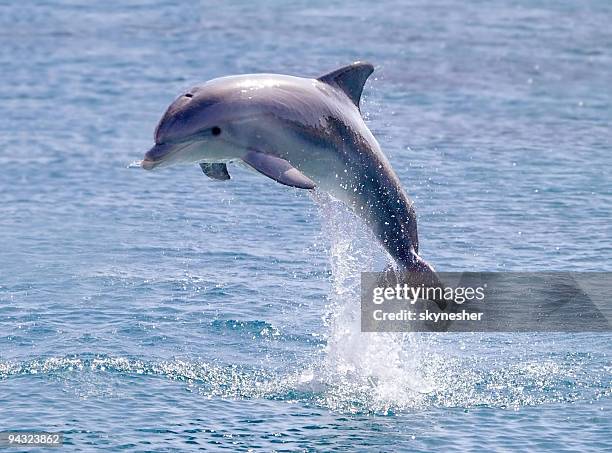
[[418, 272], [431, 279]]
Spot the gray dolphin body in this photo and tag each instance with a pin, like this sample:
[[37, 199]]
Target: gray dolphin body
[[301, 132]]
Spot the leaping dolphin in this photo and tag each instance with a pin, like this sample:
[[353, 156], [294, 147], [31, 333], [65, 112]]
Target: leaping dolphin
[[301, 132]]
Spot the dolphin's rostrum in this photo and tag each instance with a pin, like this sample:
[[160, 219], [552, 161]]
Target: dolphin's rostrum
[[301, 132]]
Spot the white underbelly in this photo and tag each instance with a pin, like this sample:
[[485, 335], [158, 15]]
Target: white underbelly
[[331, 175]]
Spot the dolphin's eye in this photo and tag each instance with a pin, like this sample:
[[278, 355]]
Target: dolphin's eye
[[188, 95], [216, 130]]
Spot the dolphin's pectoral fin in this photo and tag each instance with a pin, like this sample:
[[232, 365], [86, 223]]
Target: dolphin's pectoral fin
[[278, 169], [215, 171], [350, 79]]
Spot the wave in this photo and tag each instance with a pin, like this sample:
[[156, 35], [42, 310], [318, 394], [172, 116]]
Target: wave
[[463, 383]]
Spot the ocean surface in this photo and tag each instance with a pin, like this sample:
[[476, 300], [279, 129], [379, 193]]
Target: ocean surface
[[168, 312]]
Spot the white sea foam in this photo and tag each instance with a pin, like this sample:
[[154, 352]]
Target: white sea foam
[[135, 164]]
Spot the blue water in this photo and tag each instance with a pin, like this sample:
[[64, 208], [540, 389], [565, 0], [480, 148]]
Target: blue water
[[164, 311]]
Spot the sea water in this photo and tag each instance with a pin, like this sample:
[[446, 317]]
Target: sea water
[[165, 311]]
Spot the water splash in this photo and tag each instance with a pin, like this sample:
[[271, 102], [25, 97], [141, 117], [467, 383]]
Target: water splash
[[375, 370], [468, 382], [390, 372]]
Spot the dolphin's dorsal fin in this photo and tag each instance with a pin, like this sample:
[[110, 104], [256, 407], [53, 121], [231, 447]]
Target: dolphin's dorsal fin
[[350, 79], [278, 169], [216, 171]]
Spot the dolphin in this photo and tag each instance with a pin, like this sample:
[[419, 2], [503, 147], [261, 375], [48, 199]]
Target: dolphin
[[301, 132]]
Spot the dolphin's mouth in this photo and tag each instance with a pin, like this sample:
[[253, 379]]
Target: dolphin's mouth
[[148, 164], [158, 155], [164, 153]]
